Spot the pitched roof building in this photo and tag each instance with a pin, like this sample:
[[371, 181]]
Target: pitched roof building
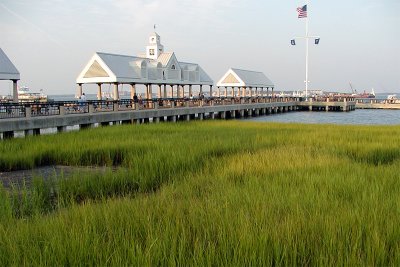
[[9, 72], [246, 81], [154, 67]]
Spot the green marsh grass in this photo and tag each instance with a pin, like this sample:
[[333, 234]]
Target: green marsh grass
[[207, 193]]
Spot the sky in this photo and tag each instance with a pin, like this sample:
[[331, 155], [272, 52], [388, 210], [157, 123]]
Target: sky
[[50, 41]]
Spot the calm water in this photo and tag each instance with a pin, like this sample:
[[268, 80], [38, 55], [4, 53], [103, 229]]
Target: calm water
[[359, 116]]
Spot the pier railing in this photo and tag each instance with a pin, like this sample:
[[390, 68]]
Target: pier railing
[[34, 109]]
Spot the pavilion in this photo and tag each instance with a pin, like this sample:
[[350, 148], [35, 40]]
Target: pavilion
[[244, 83], [155, 67], [9, 72]]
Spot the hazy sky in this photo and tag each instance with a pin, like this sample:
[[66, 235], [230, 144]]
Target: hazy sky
[[50, 41]]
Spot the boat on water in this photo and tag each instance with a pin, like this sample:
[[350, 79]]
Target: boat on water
[[365, 94], [25, 95]]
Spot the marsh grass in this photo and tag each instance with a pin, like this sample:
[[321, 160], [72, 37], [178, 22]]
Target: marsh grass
[[210, 193]]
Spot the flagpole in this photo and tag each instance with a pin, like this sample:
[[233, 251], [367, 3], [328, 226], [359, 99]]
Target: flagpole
[[306, 81]]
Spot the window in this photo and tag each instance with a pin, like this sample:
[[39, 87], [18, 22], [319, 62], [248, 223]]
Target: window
[[152, 39], [151, 52], [173, 67]]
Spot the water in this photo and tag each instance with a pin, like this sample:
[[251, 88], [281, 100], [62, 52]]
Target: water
[[359, 117]]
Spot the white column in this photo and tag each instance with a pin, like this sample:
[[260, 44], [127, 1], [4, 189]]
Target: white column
[[190, 91], [79, 90], [159, 91], [165, 91], [15, 91], [133, 90], [116, 93], [99, 91], [211, 90], [226, 91], [150, 91]]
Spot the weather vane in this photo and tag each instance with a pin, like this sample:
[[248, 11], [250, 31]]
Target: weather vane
[[154, 26]]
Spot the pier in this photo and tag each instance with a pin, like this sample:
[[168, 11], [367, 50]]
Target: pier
[[372, 103], [31, 118], [328, 104]]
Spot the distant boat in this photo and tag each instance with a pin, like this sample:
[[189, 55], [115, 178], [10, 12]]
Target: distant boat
[[365, 94], [24, 95]]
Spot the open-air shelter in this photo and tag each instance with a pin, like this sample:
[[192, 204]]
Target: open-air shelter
[[155, 67], [9, 72], [244, 83]]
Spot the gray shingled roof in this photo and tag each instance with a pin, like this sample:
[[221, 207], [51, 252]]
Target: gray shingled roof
[[7, 69], [164, 58], [122, 66], [253, 78], [204, 76]]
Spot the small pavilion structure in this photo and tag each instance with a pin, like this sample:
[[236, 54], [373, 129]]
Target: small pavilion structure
[[154, 67], [243, 83], [9, 72]]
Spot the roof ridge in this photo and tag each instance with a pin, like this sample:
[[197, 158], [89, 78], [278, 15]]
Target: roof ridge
[[113, 54], [247, 70]]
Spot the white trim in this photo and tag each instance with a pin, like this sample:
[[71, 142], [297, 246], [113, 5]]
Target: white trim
[[230, 71], [170, 62], [9, 76], [112, 77]]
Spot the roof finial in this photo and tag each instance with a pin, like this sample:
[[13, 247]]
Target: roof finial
[[155, 27]]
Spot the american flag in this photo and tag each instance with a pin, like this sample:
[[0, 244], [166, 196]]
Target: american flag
[[302, 11]]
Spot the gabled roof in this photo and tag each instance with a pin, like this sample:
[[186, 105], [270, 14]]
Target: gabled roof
[[113, 68], [164, 58], [204, 78], [246, 78], [7, 69], [122, 66]]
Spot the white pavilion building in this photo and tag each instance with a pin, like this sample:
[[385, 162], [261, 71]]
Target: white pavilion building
[[9, 72], [154, 67], [244, 83]]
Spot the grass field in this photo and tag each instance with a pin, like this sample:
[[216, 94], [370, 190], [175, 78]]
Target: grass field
[[206, 193]]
